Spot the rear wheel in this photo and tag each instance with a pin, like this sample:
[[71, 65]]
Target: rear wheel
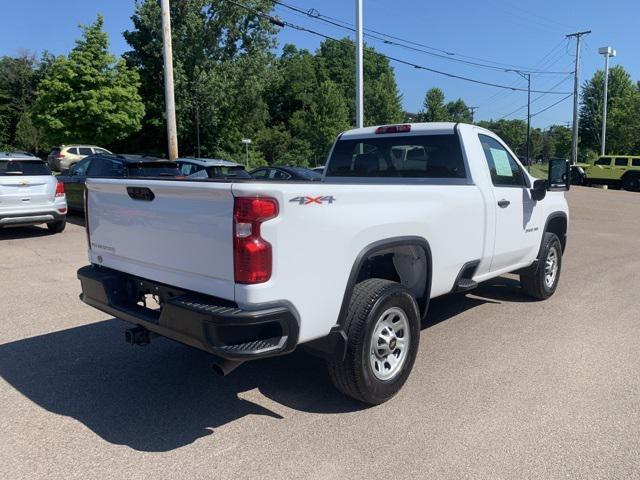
[[541, 280], [383, 333], [631, 183], [57, 227]]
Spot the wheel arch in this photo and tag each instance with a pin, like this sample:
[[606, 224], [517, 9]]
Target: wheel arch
[[557, 223], [388, 244]]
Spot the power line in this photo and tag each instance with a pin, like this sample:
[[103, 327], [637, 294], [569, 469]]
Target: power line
[[537, 98], [552, 105], [407, 44], [278, 21]]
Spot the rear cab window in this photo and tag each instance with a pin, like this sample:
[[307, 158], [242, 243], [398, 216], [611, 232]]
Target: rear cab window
[[398, 156], [23, 168]]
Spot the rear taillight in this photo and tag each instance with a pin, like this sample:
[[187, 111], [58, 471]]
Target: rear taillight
[[59, 155], [60, 189], [251, 253]]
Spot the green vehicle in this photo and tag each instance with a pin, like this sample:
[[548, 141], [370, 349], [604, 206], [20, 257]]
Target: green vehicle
[[617, 170]]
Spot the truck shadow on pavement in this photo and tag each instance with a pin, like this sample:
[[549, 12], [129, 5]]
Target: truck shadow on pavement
[[165, 396]]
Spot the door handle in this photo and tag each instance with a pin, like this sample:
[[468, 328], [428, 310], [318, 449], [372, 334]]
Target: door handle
[[504, 203]]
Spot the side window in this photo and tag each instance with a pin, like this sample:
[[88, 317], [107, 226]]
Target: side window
[[603, 161], [505, 171], [262, 173], [73, 151], [106, 168], [621, 162], [80, 168], [101, 150], [85, 151], [187, 169], [635, 162], [279, 175]]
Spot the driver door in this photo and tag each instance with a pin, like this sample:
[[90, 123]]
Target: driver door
[[517, 215]]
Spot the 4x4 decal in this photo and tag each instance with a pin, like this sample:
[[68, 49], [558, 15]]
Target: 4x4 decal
[[320, 199]]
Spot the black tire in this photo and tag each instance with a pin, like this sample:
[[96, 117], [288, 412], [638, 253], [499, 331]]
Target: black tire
[[631, 183], [57, 227], [354, 376], [533, 281]]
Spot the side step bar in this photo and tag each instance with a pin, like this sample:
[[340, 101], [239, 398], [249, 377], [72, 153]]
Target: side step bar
[[464, 282]]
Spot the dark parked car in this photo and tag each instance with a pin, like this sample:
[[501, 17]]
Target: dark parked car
[[285, 173], [111, 166], [211, 168]]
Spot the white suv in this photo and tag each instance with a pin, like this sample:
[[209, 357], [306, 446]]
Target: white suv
[[29, 193], [63, 157]]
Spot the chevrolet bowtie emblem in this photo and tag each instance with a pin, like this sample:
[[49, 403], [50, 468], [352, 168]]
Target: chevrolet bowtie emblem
[[24, 183]]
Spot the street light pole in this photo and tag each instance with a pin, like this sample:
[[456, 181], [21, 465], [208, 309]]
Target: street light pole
[[527, 77], [607, 52], [246, 142], [359, 67], [529, 120], [170, 105]]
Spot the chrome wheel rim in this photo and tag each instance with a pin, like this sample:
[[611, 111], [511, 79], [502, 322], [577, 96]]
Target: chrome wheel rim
[[551, 267], [389, 343]]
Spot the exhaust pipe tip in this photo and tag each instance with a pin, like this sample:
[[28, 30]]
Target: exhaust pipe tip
[[223, 367]]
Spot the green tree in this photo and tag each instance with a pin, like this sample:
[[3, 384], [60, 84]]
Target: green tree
[[623, 127], [458, 111], [222, 60], [326, 118], [28, 135], [89, 96], [382, 100], [513, 132], [433, 107], [18, 83]]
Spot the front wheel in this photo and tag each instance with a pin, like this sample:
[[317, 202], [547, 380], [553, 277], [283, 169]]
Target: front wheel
[[541, 280], [383, 334]]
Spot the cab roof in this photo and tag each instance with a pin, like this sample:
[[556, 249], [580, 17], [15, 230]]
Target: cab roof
[[415, 129]]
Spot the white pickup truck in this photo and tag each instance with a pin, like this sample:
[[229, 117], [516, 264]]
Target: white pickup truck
[[246, 269]]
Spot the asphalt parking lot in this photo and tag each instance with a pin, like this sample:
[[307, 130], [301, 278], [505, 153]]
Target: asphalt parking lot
[[502, 388]]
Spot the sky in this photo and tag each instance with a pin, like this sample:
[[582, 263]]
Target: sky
[[495, 32]]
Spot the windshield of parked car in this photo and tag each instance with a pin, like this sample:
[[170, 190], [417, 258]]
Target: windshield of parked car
[[412, 156], [153, 169], [24, 167]]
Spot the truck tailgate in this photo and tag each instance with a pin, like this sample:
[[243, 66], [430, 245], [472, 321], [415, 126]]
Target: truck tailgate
[[175, 232]]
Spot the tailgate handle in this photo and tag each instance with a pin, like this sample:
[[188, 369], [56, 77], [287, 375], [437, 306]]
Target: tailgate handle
[[141, 193]]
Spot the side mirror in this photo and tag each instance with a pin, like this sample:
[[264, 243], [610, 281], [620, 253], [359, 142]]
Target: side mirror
[[539, 190], [559, 175]]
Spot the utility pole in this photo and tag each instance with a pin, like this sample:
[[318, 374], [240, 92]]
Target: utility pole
[[359, 67], [473, 111], [576, 85], [607, 52], [170, 104]]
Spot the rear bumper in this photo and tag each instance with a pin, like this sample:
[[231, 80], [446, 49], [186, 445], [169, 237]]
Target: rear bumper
[[202, 321], [32, 218]]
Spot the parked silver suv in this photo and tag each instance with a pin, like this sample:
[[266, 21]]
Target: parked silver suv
[[29, 193], [65, 156]]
